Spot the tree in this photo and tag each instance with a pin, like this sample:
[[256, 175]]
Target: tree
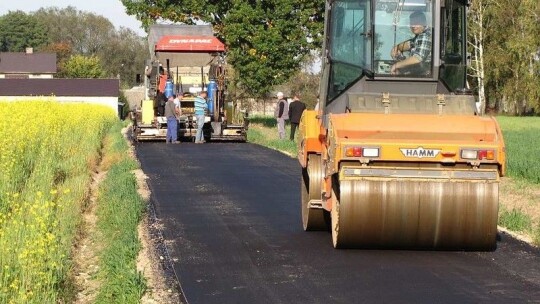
[[306, 82], [19, 31], [123, 56], [86, 32], [511, 42], [79, 66], [476, 42], [63, 52], [121, 52], [267, 40]]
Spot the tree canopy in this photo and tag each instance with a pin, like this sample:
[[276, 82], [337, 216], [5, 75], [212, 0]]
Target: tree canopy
[[267, 40], [69, 32], [512, 49], [79, 66], [72, 32], [19, 31]]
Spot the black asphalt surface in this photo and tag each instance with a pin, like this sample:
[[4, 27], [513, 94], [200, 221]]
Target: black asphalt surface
[[231, 219]]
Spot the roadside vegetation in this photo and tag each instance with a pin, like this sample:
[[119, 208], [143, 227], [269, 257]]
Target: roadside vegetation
[[48, 152], [263, 131], [520, 198], [519, 192], [119, 211]]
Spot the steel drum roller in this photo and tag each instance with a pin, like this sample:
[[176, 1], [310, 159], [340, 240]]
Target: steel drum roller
[[312, 219], [409, 213]]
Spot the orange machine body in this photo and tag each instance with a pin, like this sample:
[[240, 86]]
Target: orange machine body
[[429, 142]]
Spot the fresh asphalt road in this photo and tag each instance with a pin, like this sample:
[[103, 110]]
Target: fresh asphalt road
[[231, 220]]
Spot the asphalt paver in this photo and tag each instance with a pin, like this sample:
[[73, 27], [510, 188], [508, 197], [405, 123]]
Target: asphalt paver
[[230, 215]]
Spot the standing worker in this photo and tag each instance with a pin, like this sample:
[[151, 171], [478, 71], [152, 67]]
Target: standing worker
[[172, 112], [281, 113], [296, 108], [200, 110], [161, 98], [178, 104]]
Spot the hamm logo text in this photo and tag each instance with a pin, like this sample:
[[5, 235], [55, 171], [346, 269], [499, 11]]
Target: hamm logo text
[[420, 152]]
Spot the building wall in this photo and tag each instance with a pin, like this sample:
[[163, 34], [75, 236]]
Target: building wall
[[27, 76], [111, 102], [96, 91]]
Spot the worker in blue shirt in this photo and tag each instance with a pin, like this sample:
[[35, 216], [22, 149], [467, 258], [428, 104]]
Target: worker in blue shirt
[[200, 110]]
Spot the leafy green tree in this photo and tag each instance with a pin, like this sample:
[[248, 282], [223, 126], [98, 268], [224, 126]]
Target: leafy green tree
[[306, 83], [79, 66], [19, 30], [122, 52], [123, 56], [86, 32], [267, 40], [511, 44]]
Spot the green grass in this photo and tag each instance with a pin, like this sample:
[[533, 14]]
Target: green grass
[[515, 220], [521, 136], [263, 131], [119, 211]]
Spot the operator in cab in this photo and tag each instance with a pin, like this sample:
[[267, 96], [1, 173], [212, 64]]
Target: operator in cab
[[419, 47]]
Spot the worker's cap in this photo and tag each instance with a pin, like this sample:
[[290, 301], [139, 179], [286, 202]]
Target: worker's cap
[[418, 18], [279, 94]]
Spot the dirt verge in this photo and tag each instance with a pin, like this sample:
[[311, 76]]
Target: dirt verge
[[85, 257]]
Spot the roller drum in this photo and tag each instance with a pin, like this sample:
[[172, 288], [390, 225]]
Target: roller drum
[[420, 214], [310, 185]]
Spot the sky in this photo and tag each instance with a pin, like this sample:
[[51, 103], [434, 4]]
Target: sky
[[111, 9]]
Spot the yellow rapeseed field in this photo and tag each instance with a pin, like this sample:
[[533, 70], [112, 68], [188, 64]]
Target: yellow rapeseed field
[[47, 151]]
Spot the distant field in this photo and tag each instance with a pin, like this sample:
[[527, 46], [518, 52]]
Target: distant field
[[520, 195], [522, 138]]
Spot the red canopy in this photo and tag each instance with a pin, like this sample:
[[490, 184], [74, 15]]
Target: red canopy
[[189, 44]]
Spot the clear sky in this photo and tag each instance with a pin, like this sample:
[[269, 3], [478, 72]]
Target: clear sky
[[111, 9]]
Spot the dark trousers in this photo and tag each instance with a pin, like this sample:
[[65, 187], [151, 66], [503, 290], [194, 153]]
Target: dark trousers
[[294, 125], [160, 104]]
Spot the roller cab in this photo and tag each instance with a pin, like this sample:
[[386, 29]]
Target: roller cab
[[399, 158]]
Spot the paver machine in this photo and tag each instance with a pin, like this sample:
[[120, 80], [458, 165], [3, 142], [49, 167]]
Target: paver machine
[[397, 155], [187, 59]]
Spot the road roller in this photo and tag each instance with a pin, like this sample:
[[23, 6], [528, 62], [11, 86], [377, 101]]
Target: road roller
[[396, 154]]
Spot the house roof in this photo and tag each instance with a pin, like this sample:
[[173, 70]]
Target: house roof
[[23, 63]]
